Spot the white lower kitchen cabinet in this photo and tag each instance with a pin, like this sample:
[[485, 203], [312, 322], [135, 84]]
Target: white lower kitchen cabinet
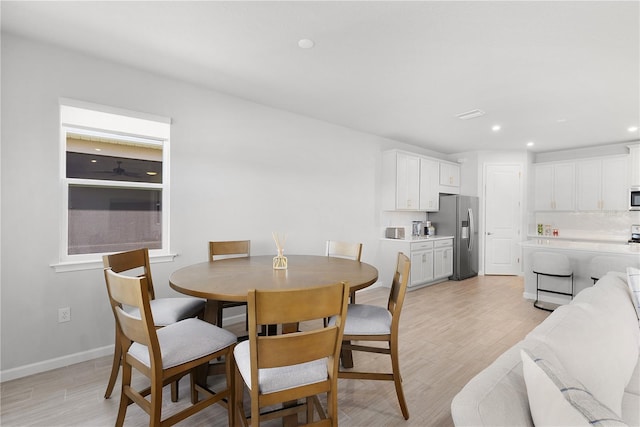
[[431, 260], [421, 263], [443, 258]]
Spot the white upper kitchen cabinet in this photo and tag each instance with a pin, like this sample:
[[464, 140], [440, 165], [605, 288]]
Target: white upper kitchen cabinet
[[429, 184], [602, 184], [408, 182], [634, 165], [449, 178], [400, 181], [555, 186]]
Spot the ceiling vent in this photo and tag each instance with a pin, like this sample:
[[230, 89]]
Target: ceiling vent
[[470, 114]]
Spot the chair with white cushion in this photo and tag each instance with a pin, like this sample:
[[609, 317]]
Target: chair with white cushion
[[165, 355], [228, 249], [554, 265], [293, 366], [166, 311], [346, 250], [379, 324]]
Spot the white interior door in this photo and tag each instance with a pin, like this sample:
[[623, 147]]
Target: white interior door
[[503, 213]]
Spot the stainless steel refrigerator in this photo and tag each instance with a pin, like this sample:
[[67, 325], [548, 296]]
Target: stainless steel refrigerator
[[458, 217]]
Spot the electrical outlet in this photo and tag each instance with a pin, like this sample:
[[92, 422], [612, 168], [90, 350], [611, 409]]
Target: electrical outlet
[[64, 315]]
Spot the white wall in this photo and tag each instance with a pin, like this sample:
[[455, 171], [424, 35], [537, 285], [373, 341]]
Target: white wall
[[239, 170]]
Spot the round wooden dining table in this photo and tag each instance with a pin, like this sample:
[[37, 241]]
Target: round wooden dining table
[[231, 279]]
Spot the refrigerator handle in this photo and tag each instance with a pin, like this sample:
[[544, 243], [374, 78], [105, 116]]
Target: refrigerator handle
[[471, 228]]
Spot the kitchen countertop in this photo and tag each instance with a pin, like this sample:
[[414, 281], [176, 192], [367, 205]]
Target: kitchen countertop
[[419, 238], [615, 248]]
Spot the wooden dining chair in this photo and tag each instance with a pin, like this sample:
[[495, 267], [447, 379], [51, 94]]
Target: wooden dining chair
[[228, 249], [166, 311], [165, 355], [293, 366], [345, 250], [374, 323]]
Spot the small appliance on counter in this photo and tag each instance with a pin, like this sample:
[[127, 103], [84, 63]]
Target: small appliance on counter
[[416, 229], [394, 233], [634, 241], [635, 234], [428, 229]]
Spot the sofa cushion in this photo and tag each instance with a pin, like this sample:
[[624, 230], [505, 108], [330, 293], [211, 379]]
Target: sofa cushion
[[596, 339], [631, 409], [497, 396], [633, 280], [555, 398]]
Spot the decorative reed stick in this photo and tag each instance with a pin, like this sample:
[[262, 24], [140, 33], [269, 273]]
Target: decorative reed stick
[[280, 261]]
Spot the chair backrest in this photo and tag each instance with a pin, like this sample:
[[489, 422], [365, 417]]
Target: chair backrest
[[398, 289], [133, 291], [294, 306], [227, 249], [551, 263], [344, 249], [135, 262]]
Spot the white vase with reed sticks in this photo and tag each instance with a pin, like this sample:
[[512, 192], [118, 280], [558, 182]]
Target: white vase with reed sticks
[[279, 261]]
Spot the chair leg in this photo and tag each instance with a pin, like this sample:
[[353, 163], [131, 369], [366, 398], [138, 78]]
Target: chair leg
[[156, 404], [219, 315], [125, 401], [397, 379], [238, 390], [174, 391], [310, 404], [115, 367], [230, 372]]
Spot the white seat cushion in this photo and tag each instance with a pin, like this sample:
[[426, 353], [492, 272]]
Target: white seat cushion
[[185, 341], [166, 311], [363, 319], [282, 378]]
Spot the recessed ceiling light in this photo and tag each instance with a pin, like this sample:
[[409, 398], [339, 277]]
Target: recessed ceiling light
[[151, 173], [530, 144], [305, 43], [496, 128], [98, 149], [632, 128], [94, 161]]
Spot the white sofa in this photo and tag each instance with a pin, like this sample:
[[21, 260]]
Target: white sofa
[[595, 339]]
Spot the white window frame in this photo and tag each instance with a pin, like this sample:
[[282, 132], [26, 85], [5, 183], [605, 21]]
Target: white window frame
[[80, 117]]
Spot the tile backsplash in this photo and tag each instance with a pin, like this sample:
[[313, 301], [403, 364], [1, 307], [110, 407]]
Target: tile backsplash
[[605, 226]]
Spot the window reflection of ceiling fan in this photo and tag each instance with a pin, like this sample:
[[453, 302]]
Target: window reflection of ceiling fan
[[120, 171]]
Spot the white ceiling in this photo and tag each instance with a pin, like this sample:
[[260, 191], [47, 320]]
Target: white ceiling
[[563, 74]]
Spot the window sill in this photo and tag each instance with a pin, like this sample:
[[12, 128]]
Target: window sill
[[63, 267]]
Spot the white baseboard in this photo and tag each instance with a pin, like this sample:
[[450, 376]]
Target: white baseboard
[[58, 362], [61, 362]]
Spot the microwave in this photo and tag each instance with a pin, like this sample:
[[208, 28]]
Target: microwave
[[634, 199]]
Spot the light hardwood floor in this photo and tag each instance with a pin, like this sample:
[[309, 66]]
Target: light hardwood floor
[[449, 332]]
